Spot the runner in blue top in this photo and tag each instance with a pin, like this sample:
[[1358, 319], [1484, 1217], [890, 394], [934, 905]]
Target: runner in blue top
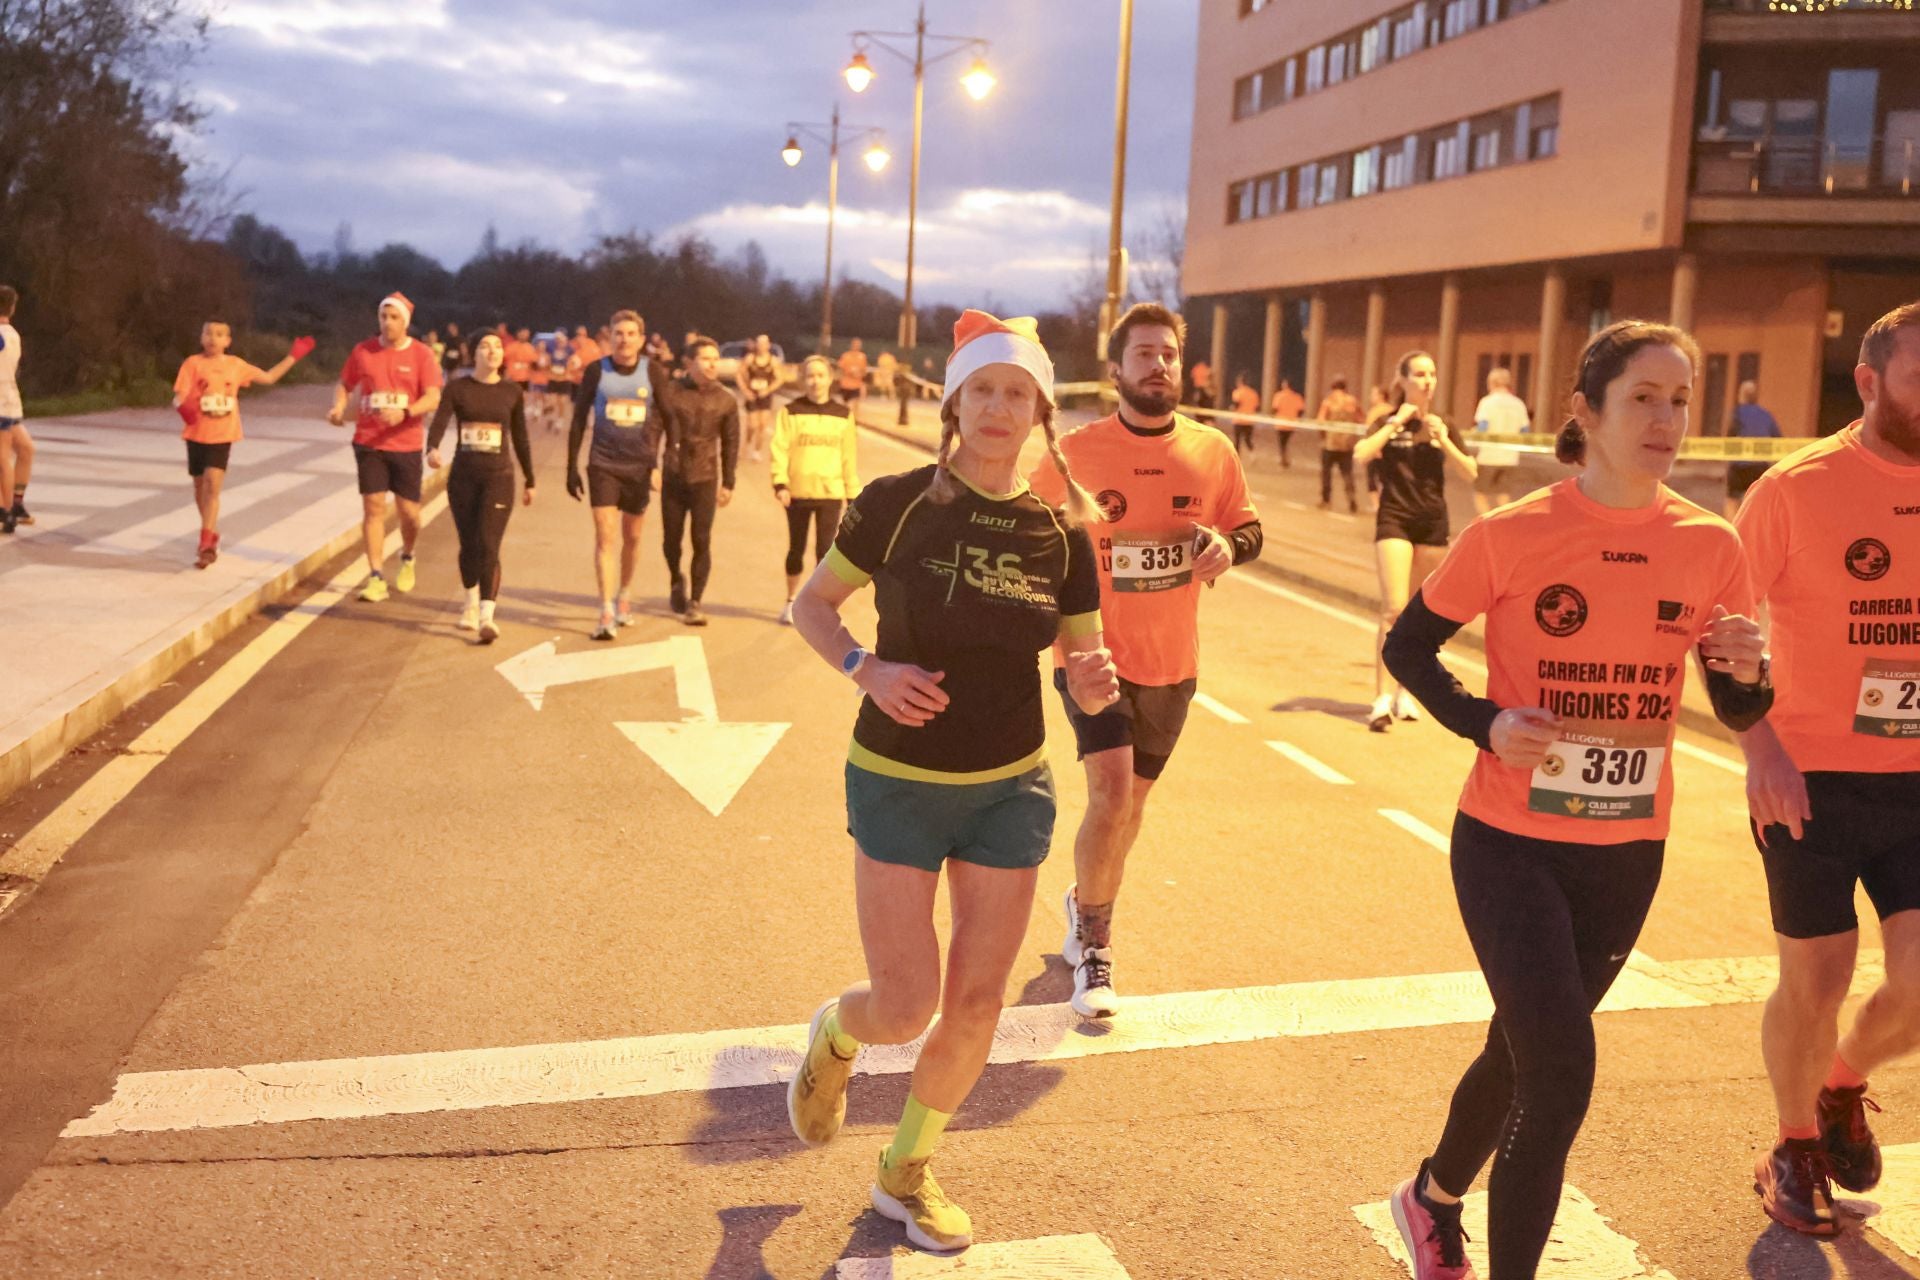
[[616, 397]]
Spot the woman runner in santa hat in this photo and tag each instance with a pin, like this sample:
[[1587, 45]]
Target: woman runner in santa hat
[[973, 578]]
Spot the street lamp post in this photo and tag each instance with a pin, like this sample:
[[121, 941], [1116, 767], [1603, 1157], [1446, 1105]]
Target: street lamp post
[[1116, 251], [876, 158], [979, 83]]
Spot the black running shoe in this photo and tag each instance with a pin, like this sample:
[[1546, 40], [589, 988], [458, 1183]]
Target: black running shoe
[[21, 515], [1853, 1154], [677, 594], [1792, 1180]]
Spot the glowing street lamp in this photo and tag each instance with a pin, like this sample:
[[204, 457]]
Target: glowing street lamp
[[978, 82], [876, 157]]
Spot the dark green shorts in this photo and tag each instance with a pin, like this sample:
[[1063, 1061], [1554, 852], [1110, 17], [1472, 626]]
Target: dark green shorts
[[1007, 823]]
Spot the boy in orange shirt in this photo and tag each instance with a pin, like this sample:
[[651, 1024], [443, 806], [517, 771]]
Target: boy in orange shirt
[[206, 395]]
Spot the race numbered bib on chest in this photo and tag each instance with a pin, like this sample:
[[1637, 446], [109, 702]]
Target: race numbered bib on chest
[[1889, 705], [480, 437], [1145, 564], [758, 385], [215, 406], [381, 401], [1602, 770], [627, 413]]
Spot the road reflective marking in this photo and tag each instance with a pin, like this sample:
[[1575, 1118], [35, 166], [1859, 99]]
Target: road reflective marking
[[1713, 758], [1220, 709], [644, 1066], [1583, 1245], [1324, 772], [1413, 826], [37, 852], [1084, 1257]]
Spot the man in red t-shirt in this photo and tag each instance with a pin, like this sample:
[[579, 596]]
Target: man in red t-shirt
[[398, 382], [206, 395]]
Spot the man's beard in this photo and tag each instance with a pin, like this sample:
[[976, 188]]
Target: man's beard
[[1151, 404], [1898, 427]]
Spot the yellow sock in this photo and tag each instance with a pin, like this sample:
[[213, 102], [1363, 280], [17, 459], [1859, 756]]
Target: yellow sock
[[843, 1044], [919, 1132]]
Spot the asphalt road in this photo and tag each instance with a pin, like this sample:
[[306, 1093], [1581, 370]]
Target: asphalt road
[[378, 847]]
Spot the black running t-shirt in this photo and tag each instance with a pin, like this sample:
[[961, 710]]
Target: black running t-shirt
[[974, 588]]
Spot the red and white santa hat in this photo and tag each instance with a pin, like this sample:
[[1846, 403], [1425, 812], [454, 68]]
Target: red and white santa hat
[[399, 300], [980, 340]]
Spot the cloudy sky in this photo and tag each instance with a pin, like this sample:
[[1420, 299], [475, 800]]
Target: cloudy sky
[[425, 120]]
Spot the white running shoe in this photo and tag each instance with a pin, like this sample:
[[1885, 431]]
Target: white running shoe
[[1093, 993], [469, 618], [1380, 719], [786, 614], [1404, 707], [1070, 949], [489, 632]]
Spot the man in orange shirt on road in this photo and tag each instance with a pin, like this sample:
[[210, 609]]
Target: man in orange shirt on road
[[206, 394], [521, 356], [1177, 514], [853, 374]]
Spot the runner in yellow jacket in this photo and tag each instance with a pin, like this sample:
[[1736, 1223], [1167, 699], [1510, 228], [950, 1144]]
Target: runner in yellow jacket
[[814, 470]]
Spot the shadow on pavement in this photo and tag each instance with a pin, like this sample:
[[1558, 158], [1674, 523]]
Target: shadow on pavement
[[746, 1230], [1355, 711], [1782, 1254]]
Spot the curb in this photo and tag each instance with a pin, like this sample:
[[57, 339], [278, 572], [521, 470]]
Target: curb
[[1692, 718], [47, 745]]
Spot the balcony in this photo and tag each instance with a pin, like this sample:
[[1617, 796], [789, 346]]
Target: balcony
[[1822, 21], [1886, 165]]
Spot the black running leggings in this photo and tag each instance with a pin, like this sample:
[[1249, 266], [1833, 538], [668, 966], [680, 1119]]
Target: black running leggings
[[1332, 460], [480, 498], [1552, 924], [823, 515], [680, 502]]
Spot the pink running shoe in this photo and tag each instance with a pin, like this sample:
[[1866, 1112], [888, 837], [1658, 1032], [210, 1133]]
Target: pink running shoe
[[1433, 1236]]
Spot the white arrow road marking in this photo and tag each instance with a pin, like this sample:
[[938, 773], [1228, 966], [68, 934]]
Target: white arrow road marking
[[711, 759], [1084, 1257], [1582, 1247], [643, 1066], [543, 666]]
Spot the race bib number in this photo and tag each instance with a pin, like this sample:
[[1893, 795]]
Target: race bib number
[[1602, 770], [215, 406], [627, 413], [1889, 705], [480, 437], [1151, 564], [758, 385], [381, 401]]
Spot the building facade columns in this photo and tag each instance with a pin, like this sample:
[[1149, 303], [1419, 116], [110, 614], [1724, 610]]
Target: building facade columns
[[1316, 389], [1686, 287], [1553, 313], [1373, 352], [1270, 352], [1222, 380], [1447, 357]]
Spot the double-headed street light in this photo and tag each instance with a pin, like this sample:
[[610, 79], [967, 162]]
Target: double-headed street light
[[978, 82], [876, 156]]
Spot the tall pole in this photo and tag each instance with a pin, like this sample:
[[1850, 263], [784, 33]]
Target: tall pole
[[909, 326], [1115, 250], [833, 199]]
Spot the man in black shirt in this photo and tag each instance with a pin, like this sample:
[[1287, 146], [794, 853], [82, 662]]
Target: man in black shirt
[[700, 426]]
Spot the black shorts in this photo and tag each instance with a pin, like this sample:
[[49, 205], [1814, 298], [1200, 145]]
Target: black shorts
[[522, 384], [631, 491], [560, 388], [203, 457], [1147, 718], [395, 471], [1865, 829], [759, 404], [1422, 530]]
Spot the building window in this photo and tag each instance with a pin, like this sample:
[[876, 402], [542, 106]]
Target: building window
[[1309, 185], [1400, 164], [1450, 153], [1542, 129], [1330, 181], [1316, 69], [1486, 147]]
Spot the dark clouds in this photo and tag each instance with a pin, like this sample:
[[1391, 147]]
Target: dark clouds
[[426, 120]]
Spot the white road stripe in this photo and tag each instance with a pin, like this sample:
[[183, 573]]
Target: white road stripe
[[1324, 772], [1413, 826], [37, 852], [643, 1066], [1713, 758], [1085, 1257], [1297, 506], [1220, 709], [1582, 1247]]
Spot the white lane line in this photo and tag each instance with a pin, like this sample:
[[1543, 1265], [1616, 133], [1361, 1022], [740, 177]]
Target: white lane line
[[1414, 827], [1297, 506], [1893, 1212], [1713, 758], [39, 850], [1220, 709], [644, 1066], [1319, 769], [1582, 1247], [1084, 1257]]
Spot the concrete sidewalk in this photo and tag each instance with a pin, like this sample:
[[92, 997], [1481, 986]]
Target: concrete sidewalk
[[101, 598]]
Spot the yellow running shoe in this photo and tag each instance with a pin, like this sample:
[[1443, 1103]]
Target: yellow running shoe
[[910, 1196], [817, 1094], [375, 591], [403, 581]]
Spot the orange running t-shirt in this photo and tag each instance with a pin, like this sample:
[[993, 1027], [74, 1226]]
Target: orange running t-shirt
[[853, 370], [1156, 488], [1246, 400], [212, 386], [1833, 540], [520, 357], [1591, 613], [394, 377], [585, 352]]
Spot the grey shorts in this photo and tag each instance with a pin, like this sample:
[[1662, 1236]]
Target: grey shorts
[[1147, 717], [1007, 823]]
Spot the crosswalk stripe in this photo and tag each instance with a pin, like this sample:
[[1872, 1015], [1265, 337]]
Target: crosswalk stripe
[[1582, 1247], [1220, 709], [1413, 826], [644, 1066], [1324, 772], [1082, 1257]]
